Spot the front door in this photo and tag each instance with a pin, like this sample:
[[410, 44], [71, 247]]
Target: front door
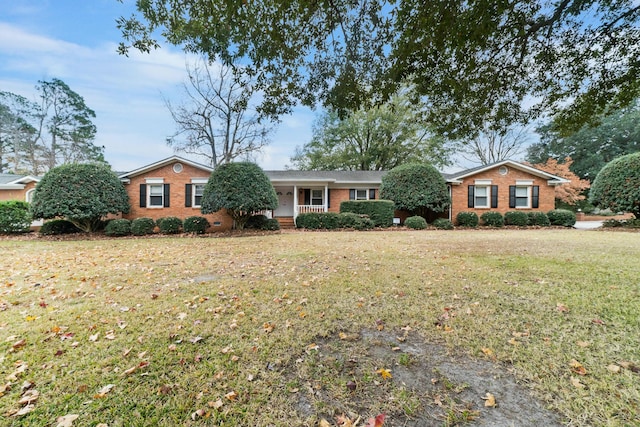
[[285, 204]]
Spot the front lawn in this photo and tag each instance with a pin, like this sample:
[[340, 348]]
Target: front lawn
[[299, 329]]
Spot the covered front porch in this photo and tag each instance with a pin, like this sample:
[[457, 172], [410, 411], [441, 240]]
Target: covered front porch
[[297, 199]]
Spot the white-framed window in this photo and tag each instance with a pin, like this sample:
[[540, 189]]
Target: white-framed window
[[317, 197], [482, 196], [155, 195], [198, 191], [523, 196], [362, 194]]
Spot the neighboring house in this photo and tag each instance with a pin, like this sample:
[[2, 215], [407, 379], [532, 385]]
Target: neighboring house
[[174, 187]]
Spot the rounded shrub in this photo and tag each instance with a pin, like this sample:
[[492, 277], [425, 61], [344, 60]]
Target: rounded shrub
[[329, 220], [256, 222], [538, 219], [142, 226], [467, 219], [271, 224], [562, 217], [14, 217], [617, 185], [195, 224], [492, 219], [169, 225], [443, 224], [416, 222], [352, 220], [518, 218], [58, 226], [309, 221], [118, 227]]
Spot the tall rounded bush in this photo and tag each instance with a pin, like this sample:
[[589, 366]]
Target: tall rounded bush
[[240, 188], [416, 222], [14, 217], [617, 185], [80, 193], [416, 188]]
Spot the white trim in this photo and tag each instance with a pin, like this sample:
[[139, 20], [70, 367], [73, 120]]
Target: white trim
[[552, 179], [524, 182], [482, 182], [199, 180], [154, 180], [164, 162], [29, 194]]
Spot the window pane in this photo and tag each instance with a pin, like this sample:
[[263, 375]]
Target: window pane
[[198, 189], [522, 197], [521, 191], [361, 194], [316, 193], [482, 197], [155, 195]]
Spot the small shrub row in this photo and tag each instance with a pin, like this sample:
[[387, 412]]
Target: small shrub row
[[332, 221], [557, 217], [15, 217], [261, 222], [622, 223], [379, 211], [167, 225]]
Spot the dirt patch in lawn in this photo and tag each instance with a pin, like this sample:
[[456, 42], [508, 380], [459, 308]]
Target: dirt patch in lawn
[[355, 376]]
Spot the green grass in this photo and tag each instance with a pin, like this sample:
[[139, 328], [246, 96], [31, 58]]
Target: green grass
[[229, 319]]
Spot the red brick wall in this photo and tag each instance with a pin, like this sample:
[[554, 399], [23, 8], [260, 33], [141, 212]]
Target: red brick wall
[[459, 193], [176, 207]]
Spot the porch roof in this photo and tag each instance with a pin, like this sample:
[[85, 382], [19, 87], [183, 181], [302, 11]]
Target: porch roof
[[333, 177]]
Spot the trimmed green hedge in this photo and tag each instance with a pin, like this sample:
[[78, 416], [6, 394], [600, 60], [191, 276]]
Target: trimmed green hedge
[[562, 217], [195, 224], [118, 227], [467, 219], [518, 218], [332, 221], [169, 225], [492, 219], [15, 217], [443, 224], [538, 219], [416, 222], [58, 226], [142, 226], [379, 211]]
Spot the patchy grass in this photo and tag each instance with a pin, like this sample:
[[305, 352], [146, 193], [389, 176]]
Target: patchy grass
[[269, 330]]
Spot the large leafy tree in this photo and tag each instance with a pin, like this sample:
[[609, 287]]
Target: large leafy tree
[[217, 119], [378, 138], [35, 137], [80, 193], [474, 61], [590, 148], [241, 188], [417, 188], [617, 185]]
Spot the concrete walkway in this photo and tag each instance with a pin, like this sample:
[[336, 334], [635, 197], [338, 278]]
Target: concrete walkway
[[587, 225]]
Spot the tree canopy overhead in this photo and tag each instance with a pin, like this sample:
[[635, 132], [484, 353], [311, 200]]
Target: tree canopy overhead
[[474, 61]]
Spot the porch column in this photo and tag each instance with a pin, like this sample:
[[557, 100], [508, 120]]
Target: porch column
[[326, 197], [295, 201]]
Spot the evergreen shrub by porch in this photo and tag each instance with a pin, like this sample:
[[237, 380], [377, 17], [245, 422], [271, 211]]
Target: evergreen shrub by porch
[[562, 217], [518, 218], [169, 225], [416, 222], [355, 221], [142, 226], [14, 217], [271, 224], [310, 221], [538, 219], [442, 224], [58, 226], [118, 227], [492, 219], [195, 224], [467, 219], [379, 211], [256, 222]]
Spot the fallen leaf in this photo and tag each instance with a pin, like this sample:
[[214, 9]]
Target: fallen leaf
[[577, 367], [344, 421], [29, 397], [268, 327], [103, 391], [583, 344], [195, 340], [629, 366], [614, 368], [25, 410], [19, 344], [384, 373], [324, 423], [216, 404], [513, 341], [66, 420], [562, 308], [232, 395], [198, 414], [597, 322], [94, 337], [489, 400], [487, 351], [110, 335], [378, 421]]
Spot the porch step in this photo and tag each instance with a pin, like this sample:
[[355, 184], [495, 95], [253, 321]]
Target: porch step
[[286, 222]]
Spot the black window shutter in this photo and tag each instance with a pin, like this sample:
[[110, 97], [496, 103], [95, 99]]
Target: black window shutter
[[512, 196], [166, 195], [328, 198], [535, 199], [494, 196], [143, 195], [352, 194], [372, 194], [187, 195], [307, 197], [471, 199]]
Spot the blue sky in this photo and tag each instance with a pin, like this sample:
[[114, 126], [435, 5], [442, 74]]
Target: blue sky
[[76, 41]]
